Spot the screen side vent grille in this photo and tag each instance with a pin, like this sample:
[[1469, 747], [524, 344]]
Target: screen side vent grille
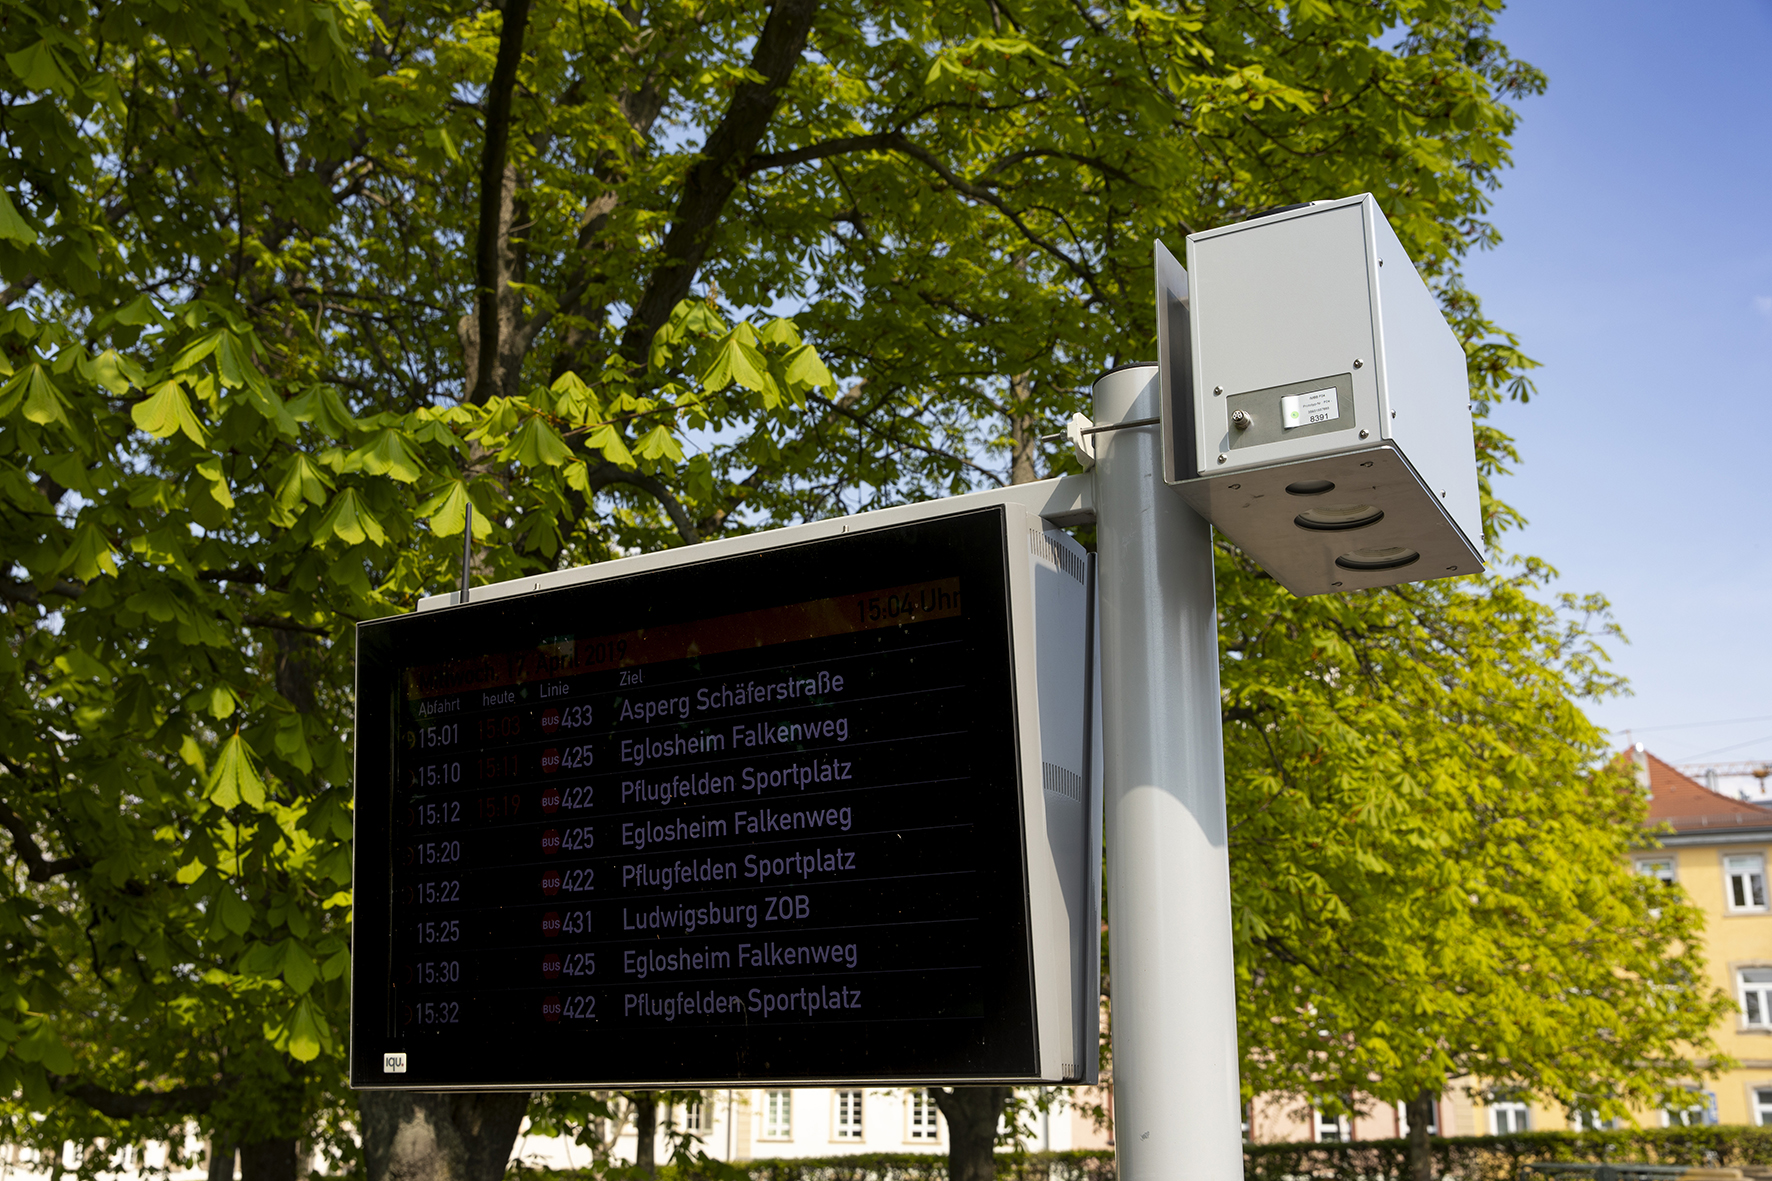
[[1042, 548], [1061, 782]]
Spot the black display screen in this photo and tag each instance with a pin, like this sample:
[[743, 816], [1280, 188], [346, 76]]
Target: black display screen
[[755, 818]]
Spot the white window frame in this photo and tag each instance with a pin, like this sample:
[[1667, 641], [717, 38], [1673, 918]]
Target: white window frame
[[1518, 1114], [1681, 1117], [847, 1122], [922, 1117], [1663, 869], [1588, 1121], [694, 1116], [1754, 996], [1338, 1127], [778, 1115], [1744, 877], [1762, 1104]]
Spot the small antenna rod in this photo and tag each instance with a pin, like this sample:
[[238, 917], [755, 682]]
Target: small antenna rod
[[467, 548]]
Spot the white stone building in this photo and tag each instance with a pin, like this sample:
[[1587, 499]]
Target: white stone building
[[743, 1124]]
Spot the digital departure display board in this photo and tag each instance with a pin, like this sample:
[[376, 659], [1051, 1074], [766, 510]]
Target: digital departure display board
[[759, 817]]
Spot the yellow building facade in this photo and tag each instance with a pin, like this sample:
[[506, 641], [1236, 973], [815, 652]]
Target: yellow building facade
[[1718, 852]]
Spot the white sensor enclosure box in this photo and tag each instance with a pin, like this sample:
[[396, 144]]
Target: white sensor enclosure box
[[1302, 349]]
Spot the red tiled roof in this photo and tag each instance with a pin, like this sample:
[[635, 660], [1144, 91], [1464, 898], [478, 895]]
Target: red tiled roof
[[1688, 806]]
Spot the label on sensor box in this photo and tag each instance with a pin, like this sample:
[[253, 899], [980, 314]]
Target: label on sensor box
[[1298, 410]]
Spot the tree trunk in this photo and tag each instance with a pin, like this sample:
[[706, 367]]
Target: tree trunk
[[972, 1114], [419, 1136], [646, 1131], [497, 186], [1024, 431], [1420, 1111], [221, 1159], [295, 669], [268, 1160]]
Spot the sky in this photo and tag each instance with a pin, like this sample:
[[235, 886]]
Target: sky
[[1636, 266]]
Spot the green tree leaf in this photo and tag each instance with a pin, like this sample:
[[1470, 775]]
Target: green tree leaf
[[198, 349], [211, 471], [322, 406], [350, 521], [303, 479], [140, 312], [89, 555], [805, 371], [299, 969], [447, 510], [116, 372], [386, 453], [235, 781], [537, 443], [304, 1037], [40, 1044], [33, 390], [608, 440], [292, 743], [233, 363], [659, 443], [165, 411], [37, 67], [233, 911], [781, 332], [737, 359], [573, 399], [14, 228]]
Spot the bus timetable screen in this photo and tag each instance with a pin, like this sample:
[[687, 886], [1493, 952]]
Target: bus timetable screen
[[756, 818]]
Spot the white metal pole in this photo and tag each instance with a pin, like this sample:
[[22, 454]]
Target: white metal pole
[[1174, 1007]]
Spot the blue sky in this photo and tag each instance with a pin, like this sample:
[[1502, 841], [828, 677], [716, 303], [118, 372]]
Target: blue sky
[[1637, 267]]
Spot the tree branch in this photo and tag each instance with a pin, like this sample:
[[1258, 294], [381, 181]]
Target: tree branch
[[863, 421], [250, 574], [13, 293], [24, 592], [40, 868], [1016, 157], [608, 473], [978, 193], [132, 1104], [896, 141], [716, 520], [492, 185], [835, 147], [711, 181], [282, 625]]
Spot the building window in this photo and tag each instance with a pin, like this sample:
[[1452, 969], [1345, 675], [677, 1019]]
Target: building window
[[848, 1121], [1508, 1117], [1588, 1121], [1332, 1129], [921, 1114], [778, 1115], [1659, 868], [1747, 882], [1763, 1107], [1756, 997], [1700, 1112], [693, 1116]]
